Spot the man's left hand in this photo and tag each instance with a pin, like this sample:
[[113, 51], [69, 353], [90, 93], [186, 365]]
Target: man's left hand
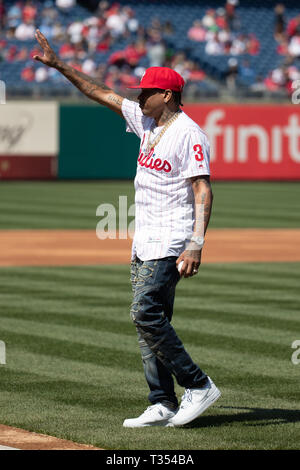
[[191, 262]]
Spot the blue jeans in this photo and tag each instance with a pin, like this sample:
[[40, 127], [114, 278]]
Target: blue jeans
[[163, 354]]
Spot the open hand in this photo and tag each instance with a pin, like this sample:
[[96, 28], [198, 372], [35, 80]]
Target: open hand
[[49, 58]]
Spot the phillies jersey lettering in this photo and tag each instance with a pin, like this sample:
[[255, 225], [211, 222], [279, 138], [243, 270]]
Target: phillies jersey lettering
[[149, 161], [164, 198]]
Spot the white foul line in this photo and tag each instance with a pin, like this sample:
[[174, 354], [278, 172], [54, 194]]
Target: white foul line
[[7, 448]]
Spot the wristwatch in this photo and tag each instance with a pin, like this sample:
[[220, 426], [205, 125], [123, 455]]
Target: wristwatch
[[198, 240]]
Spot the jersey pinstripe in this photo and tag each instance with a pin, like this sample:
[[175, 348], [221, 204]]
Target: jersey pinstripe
[[164, 198]]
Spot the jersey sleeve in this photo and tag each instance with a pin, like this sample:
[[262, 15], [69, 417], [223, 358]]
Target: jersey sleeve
[[195, 154], [133, 116]]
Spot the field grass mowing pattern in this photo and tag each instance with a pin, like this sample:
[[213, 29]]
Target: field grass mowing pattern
[[74, 369], [72, 205]]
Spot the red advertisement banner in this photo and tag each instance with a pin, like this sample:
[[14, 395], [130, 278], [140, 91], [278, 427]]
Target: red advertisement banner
[[251, 142], [28, 167]]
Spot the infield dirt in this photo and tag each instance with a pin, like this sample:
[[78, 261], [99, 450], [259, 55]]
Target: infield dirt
[[26, 440], [82, 247]]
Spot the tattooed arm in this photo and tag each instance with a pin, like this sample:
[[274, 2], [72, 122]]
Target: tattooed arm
[[92, 88], [203, 204]]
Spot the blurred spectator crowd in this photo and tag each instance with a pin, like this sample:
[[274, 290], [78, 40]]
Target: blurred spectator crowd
[[112, 45], [287, 37], [220, 29], [82, 42]]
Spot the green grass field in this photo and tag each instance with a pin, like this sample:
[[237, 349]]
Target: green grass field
[[74, 204], [73, 364]]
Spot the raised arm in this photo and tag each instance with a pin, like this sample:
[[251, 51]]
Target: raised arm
[[92, 88]]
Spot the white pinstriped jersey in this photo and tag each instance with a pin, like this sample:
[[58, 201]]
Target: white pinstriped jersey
[[164, 198]]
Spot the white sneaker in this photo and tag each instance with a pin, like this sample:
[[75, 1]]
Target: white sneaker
[[194, 402], [154, 415]]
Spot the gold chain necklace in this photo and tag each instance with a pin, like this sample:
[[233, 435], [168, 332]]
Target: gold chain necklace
[[151, 145]]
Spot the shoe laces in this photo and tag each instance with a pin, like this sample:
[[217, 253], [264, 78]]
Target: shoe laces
[[186, 398], [150, 408]]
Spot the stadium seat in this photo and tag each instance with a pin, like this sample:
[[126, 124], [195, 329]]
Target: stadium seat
[[252, 15]]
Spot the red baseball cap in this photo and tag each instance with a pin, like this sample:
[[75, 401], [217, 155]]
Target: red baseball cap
[[161, 77]]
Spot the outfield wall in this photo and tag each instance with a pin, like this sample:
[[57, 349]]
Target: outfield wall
[[256, 142], [49, 140], [93, 144], [29, 140]]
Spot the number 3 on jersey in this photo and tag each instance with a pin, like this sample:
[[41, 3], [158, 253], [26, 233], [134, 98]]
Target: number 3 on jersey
[[199, 152]]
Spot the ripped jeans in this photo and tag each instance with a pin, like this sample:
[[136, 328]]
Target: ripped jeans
[[163, 354]]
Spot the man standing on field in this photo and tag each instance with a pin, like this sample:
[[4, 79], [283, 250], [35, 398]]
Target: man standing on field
[[173, 205]]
